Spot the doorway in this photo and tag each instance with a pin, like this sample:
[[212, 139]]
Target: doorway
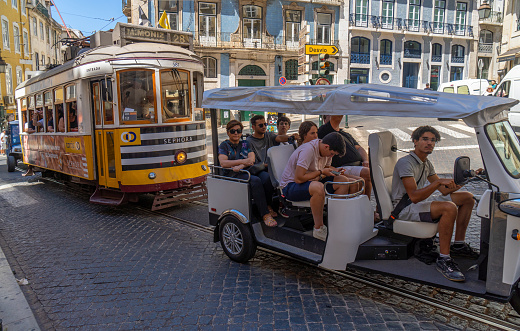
[[246, 115], [410, 74]]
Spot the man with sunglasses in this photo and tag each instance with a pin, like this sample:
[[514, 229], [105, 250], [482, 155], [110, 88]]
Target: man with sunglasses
[[412, 202]]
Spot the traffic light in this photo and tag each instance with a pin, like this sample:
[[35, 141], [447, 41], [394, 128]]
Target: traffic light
[[324, 65]]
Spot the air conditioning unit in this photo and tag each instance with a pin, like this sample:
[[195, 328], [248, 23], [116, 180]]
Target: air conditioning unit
[[29, 4], [8, 99]]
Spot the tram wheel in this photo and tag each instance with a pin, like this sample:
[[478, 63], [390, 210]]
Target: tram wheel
[[236, 239], [515, 300], [11, 163]]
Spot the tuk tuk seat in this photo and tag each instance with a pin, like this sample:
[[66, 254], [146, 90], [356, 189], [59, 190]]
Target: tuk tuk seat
[[278, 156], [382, 163]]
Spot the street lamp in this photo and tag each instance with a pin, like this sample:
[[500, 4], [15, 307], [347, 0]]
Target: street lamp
[[484, 10]]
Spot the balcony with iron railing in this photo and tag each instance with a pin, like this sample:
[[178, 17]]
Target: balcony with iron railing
[[235, 40], [127, 7], [457, 59], [390, 23], [385, 59], [485, 48], [436, 58], [362, 58]]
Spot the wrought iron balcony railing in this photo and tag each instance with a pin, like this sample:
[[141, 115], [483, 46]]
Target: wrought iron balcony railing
[[363, 58], [436, 58], [385, 59], [485, 48], [457, 59], [391, 23], [412, 53], [494, 17]]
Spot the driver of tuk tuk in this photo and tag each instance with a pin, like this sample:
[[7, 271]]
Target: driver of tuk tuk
[[410, 196], [308, 168]]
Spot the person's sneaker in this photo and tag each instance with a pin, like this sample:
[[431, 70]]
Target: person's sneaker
[[466, 251], [320, 233], [449, 269], [282, 212]]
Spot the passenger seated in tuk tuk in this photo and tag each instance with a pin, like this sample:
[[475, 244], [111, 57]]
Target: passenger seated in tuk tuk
[[308, 168], [283, 125], [355, 160], [307, 131], [236, 154], [409, 196]]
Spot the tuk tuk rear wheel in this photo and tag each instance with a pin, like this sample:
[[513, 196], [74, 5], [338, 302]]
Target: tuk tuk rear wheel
[[11, 163], [236, 239]]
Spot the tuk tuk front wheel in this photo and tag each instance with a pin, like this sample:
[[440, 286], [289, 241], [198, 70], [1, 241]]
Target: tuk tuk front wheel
[[236, 239], [11, 163]]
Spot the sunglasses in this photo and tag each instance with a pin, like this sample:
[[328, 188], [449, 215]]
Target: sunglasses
[[233, 131], [261, 125]]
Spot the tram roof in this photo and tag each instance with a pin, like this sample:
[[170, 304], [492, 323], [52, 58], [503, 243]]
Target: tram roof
[[114, 52], [360, 99]]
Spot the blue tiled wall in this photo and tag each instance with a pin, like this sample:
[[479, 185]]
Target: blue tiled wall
[[224, 70]]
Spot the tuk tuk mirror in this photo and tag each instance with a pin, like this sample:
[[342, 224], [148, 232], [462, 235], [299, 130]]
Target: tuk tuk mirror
[[510, 207], [461, 171]]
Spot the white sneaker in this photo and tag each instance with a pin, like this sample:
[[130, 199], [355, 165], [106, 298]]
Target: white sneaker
[[320, 233]]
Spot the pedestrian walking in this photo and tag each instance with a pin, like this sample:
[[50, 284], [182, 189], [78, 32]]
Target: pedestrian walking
[[3, 141]]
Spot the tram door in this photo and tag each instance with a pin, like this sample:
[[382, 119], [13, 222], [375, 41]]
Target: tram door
[[105, 149]]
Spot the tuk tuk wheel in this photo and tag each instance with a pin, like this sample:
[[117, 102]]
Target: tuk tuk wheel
[[236, 239], [11, 163], [515, 300]]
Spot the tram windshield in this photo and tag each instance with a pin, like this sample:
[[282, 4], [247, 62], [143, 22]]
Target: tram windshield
[[506, 146], [137, 95], [175, 94]]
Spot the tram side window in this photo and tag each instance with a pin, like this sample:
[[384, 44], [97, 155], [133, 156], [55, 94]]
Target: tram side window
[[58, 110], [72, 120], [23, 103], [137, 96], [29, 124], [48, 117], [38, 114], [175, 92]]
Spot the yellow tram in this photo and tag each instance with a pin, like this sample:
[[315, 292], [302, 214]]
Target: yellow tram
[[121, 116]]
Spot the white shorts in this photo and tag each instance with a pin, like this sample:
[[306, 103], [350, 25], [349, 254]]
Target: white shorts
[[352, 170], [420, 212]]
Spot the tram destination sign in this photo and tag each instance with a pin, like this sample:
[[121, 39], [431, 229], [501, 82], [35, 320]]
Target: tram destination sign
[[129, 33]]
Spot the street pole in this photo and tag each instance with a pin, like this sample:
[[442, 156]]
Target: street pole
[[480, 66]]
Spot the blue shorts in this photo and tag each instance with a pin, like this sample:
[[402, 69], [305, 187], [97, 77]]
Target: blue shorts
[[300, 192]]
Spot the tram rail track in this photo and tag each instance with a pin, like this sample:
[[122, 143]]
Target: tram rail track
[[373, 283]]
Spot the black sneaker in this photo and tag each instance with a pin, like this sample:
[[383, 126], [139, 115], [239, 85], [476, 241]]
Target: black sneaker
[[465, 252], [449, 269]]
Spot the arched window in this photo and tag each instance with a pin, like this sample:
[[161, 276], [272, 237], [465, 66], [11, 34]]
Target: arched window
[[210, 67], [486, 37], [436, 53], [360, 50], [386, 52], [291, 69], [252, 70], [457, 54], [412, 49]]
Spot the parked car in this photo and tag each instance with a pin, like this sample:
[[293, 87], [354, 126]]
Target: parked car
[[465, 86]]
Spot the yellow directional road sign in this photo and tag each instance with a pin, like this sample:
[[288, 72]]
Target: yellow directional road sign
[[320, 49]]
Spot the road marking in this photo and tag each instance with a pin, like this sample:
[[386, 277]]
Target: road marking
[[450, 132], [463, 128], [373, 131], [15, 197], [400, 134]]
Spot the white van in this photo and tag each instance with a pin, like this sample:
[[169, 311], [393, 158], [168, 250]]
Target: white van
[[510, 88], [465, 86]]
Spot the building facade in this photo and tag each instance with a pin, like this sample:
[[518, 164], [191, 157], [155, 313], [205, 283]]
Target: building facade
[[411, 43], [490, 37], [45, 35], [15, 50], [510, 45]]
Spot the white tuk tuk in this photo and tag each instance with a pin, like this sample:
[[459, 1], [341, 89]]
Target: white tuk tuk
[[353, 241]]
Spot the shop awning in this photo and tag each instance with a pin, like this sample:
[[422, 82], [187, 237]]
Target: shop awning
[[509, 55]]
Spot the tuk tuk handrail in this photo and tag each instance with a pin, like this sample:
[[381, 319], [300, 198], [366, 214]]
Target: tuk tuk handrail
[[213, 167], [345, 196]]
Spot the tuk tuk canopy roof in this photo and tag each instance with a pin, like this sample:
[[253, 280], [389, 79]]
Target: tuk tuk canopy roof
[[362, 99]]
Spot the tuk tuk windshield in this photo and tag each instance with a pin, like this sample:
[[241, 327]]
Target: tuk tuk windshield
[[506, 146]]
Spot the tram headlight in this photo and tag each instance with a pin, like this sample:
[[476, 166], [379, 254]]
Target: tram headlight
[[181, 157], [152, 175]]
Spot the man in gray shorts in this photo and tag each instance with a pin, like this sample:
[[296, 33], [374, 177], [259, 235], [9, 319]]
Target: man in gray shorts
[[411, 174]]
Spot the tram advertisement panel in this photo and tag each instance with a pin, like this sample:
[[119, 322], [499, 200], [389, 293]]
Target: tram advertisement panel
[[70, 155]]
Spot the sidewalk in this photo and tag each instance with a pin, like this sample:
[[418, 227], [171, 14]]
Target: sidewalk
[[14, 309]]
